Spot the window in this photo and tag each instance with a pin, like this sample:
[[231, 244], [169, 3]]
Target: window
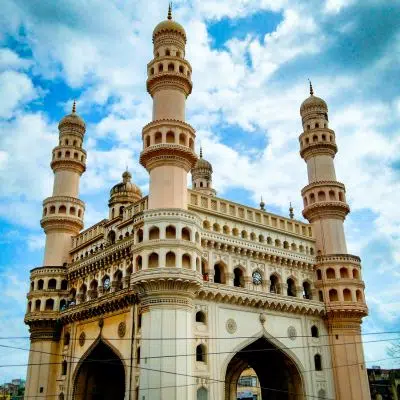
[[201, 317], [106, 283], [170, 261], [319, 274], [291, 287], [333, 295], [52, 284], [140, 235], [238, 279], [111, 237], [170, 138], [153, 260], [219, 273], [154, 233], [330, 273], [201, 353], [318, 362], [185, 234], [138, 263], [186, 262], [307, 290], [274, 286], [344, 273], [49, 305], [314, 331], [64, 368], [320, 295], [347, 295], [37, 305]]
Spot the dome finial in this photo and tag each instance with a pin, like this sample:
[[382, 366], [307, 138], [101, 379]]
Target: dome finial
[[262, 204], [201, 152], [311, 88], [74, 107], [170, 11], [291, 213]]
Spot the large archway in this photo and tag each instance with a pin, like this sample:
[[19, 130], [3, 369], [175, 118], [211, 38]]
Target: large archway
[[100, 375], [279, 378]]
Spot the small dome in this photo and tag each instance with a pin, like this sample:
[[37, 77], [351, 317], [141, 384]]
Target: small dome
[[126, 186], [72, 118], [201, 163], [169, 26], [313, 101]]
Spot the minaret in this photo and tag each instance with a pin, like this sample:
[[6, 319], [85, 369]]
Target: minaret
[[202, 176], [168, 141], [338, 274], [63, 211]]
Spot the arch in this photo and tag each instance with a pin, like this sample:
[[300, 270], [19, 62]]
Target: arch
[[319, 274], [356, 274], [291, 287], [235, 232], [341, 196], [318, 362], [261, 238], [219, 273], [117, 280], [37, 305], [321, 394], [72, 210], [67, 154], [181, 69], [182, 139], [191, 143], [253, 236], [201, 317], [111, 237], [170, 260], [216, 227], [67, 338], [171, 67], [307, 294], [154, 233], [157, 138], [64, 367], [321, 196], [201, 355], [359, 295], [147, 140], [186, 261], [333, 295], [153, 260], [32, 285], [277, 243], [138, 263], [314, 331], [40, 284], [344, 272], [238, 277], [63, 304], [244, 234], [202, 394], [332, 195], [206, 224], [285, 244], [347, 295], [281, 374], [274, 284], [320, 295], [106, 283], [330, 273], [170, 232], [170, 137], [269, 240], [62, 209], [29, 307], [139, 235], [312, 198], [293, 247], [186, 234], [160, 67], [100, 379], [152, 71], [121, 210], [167, 52], [49, 305], [51, 284]]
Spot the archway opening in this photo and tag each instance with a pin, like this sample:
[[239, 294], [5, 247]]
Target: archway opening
[[277, 375], [102, 378]]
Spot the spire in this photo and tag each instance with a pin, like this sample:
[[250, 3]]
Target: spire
[[170, 11], [311, 89], [291, 213], [262, 204], [74, 107], [201, 152]]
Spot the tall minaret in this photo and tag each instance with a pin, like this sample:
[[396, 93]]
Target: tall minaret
[[63, 211], [338, 274], [168, 142]]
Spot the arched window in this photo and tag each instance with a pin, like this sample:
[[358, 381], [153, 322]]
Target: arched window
[[157, 138], [49, 305], [319, 274], [186, 262], [238, 278], [106, 283], [206, 224], [347, 295], [67, 154], [138, 263], [359, 296], [72, 210], [121, 210], [293, 247], [216, 227], [37, 305], [63, 305], [52, 284], [40, 284], [253, 236], [154, 233], [330, 273], [332, 195], [285, 244], [321, 394], [181, 70], [235, 232], [171, 67], [191, 143], [274, 284], [321, 196], [160, 67], [318, 362], [277, 243], [341, 196], [269, 240], [117, 280], [219, 273], [29, 307], [140, 235], [291, 287], [32, 285], [201, 317], [320, 295], [355, 274], [185, 234], [261, 238], [201, 353], [168, 52], [344, 273], [170, 137], [62, 210], [153, 260], [147, 141], [64, 368], [111, 237], [244, 234], [317, 125], [314, 331], [170, 232], [333, 295], [182, 139], [170, 260], [152, 71], [307, 290]]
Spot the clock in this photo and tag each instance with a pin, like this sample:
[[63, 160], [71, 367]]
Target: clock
[[106, 283], [257, 278]]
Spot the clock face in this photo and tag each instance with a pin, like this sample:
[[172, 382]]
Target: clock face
[[106, 283], [257, 278]]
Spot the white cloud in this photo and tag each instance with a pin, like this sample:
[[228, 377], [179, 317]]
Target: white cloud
[[11, 60]]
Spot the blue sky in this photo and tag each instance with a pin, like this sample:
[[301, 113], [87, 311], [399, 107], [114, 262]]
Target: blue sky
[[251, 60]]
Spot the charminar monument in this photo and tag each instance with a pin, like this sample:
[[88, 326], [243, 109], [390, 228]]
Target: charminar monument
[[176, 293]]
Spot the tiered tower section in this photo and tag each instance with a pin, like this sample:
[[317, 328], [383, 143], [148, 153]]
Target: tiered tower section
[[63, 211], [338, 274], [168, 141]]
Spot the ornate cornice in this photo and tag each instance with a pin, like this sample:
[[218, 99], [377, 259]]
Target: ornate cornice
[[167, 123], [326, 209], [322, 184], [44, 330], [316, 149], [69, 164], [48, 271], [63, 199], [338, 259], [62, 223], [169, 80]]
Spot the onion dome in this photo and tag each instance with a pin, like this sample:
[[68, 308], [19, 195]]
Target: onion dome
[[72, 119], [125, 191], [313, 102], [201, 163], [169, 26]]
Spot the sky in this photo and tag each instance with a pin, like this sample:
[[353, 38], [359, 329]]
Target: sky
[[251, 60]]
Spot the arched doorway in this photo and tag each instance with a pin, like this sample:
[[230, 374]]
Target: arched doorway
[[100, 376], [278, 375]]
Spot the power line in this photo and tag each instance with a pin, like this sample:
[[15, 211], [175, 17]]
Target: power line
[[216, 338], [64, 356]]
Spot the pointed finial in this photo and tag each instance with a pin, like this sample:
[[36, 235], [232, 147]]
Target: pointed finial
[[201, 152], [170, 11], [74, 107], [262, 204], [291, 213], [311, 89]]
